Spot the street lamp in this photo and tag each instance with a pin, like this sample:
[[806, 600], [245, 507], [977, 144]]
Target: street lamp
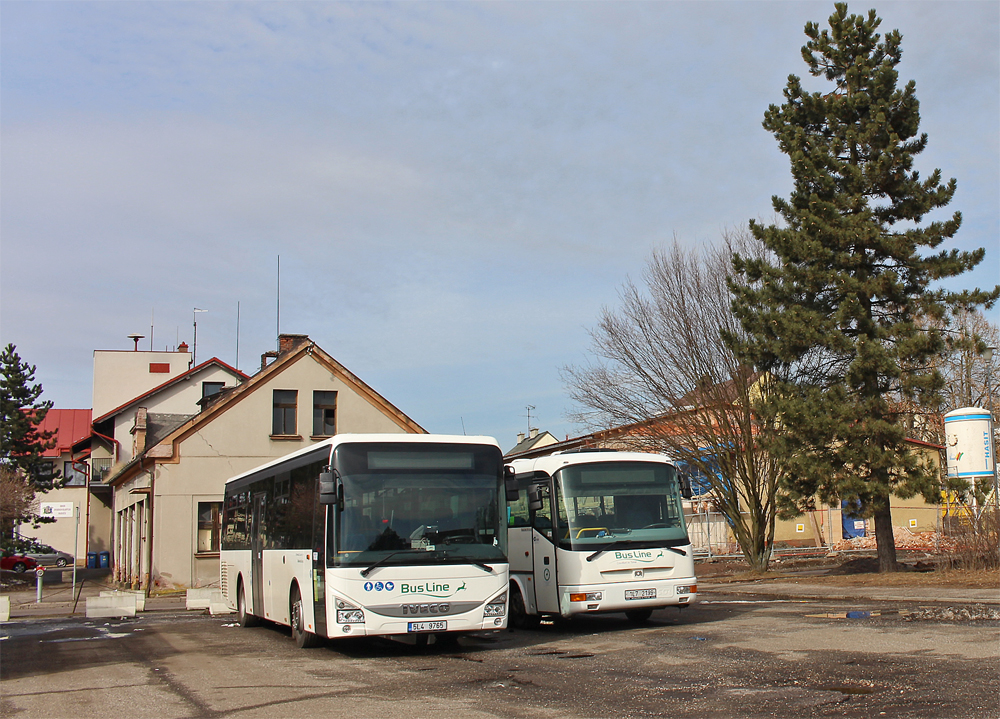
[[194, 348], [988, 356]]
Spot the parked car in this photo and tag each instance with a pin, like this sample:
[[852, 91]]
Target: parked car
[[14, 562], [47, 556]]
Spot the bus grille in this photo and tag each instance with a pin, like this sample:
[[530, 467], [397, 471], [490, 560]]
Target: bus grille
[[224, 580]]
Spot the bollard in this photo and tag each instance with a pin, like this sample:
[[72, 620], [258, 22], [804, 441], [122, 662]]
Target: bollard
[[39, 573]]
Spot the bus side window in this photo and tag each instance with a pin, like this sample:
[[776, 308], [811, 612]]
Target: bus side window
[[517, 512], [542, 518]]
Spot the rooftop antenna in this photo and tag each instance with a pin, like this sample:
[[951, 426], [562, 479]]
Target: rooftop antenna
[[151, 315], [463, 424], [277, 320], [529, 408], [136, 338], [194, 348], [237, 335]]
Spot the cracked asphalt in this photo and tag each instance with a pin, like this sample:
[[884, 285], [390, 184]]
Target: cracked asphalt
[[731, 656]]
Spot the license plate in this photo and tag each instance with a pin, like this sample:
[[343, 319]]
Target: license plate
[[640, 594], [426, 626]]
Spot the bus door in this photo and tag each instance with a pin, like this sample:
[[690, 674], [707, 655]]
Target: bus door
[[322, 548], [543, 553], [258, 535]]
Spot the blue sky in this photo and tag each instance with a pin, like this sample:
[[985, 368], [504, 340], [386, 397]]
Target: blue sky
[[455, 189]]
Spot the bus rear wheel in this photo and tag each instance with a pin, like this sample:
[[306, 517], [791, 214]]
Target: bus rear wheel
[[243, 617], [303, 639]]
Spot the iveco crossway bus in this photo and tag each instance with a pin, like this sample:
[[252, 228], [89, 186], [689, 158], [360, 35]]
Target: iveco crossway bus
[[359, 535], [596, 532]]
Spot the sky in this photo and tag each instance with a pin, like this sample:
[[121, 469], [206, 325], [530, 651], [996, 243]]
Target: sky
[[454, 189]]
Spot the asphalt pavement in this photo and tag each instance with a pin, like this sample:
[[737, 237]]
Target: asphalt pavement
[[59, 600]]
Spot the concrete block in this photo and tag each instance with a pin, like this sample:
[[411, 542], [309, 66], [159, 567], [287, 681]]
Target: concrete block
[[4, 608], [200, 598], [218, 604], [122, 605], [140, 596]]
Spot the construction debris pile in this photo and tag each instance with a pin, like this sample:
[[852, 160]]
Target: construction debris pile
[[905, 539]]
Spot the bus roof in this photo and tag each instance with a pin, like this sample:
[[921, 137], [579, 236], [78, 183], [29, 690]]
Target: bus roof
[[326, 446], [553, 462]]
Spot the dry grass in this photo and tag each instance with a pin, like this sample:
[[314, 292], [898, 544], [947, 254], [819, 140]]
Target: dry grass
[[856, 572]]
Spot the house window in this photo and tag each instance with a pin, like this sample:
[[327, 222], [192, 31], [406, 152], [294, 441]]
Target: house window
[[210, 388], [75, 474], [324, 413], [209, 526], [283, 417]]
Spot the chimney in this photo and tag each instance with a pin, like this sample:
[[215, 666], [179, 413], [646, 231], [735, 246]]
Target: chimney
[[182, 347], [286, 343], [139, 432], [534, 432], [520, 437]]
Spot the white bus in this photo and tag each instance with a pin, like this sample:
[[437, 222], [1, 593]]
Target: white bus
[[597, 532], [395, 534]]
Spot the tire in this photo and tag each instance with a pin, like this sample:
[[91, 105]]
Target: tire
[[20, 567], [519, 617], [303, 639], [639, 616], [61, 562], [242, 616]]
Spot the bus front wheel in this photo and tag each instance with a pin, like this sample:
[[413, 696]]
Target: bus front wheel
[[519, 617], [639, 615], [303, 639], [244, 618]]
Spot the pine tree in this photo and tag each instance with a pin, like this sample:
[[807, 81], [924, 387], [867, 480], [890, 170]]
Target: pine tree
[[838, 319], [21, 442]]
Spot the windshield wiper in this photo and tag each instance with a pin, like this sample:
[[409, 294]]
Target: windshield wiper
[[613, 545], [382, 561], [626, 542], [482, 565]]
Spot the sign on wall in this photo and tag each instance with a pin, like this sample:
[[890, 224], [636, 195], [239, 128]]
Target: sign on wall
[[56, 510]]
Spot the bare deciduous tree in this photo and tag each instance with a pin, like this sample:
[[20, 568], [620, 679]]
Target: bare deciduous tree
[[663, 375]]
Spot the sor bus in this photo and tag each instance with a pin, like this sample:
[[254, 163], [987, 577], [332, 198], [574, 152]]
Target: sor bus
[[596, 532], [370, 535]]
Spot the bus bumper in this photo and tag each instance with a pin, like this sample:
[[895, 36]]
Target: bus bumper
[[623, 597]]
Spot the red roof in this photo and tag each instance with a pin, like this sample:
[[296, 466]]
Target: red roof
[[69, 425]]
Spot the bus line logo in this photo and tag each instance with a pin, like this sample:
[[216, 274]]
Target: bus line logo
[[431, 589], [638, 555]]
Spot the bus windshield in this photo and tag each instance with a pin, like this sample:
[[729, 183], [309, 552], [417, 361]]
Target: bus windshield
[[418, 504], [621, 503]]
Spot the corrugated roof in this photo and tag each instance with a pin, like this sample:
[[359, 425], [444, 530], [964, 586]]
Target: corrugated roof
[[69, 425]]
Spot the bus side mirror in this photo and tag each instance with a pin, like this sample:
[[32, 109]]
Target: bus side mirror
[[685, 480], [327, 488], [510, 483], [534, 497]]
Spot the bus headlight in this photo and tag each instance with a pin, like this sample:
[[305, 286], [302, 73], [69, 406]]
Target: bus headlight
[[687, 589], [347, 613], [588, 597], [497, 606]]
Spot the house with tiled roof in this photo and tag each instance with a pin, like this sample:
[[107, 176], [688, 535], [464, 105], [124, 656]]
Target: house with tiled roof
[[167, 495], [66, 471]]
